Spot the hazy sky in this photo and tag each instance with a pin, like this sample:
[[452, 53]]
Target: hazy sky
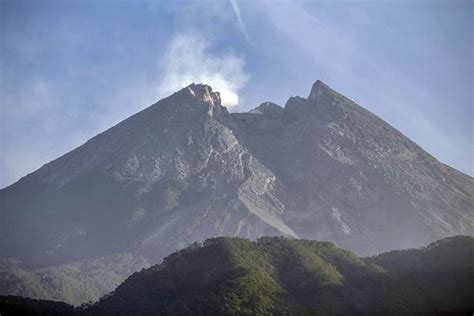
[[70, 69]]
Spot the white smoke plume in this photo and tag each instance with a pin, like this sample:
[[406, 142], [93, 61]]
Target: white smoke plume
[[188, 59]]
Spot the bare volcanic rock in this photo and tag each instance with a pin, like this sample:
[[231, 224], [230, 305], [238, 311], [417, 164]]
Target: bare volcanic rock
[[185, 169], [349, 177]]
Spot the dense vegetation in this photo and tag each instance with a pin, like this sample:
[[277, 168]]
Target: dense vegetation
[[231, 276], [73, 283], [277, 276], [14, 305]]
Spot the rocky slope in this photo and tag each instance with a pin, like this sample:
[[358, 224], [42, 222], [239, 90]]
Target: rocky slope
[[185, 169], [349, 177]]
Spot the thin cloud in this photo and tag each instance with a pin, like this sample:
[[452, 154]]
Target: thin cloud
[[31, 116], [45, 122], [188, 59], [236, 9], [339, 53]]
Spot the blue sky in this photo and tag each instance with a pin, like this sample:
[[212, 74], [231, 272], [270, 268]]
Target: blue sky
[[70, 69]]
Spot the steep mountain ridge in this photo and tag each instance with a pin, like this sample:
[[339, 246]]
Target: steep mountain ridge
[[169, 175], [185, 169], [353, 173]]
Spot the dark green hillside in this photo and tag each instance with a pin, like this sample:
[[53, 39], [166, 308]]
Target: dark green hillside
[[19, 306], [232, 276], [74, 283], [277, 276], [439, 277]]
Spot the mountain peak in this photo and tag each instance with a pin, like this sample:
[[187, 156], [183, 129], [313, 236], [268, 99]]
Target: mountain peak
[[317, 89], [269, 109], [198, 96], [200, 92], [184, 169]]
